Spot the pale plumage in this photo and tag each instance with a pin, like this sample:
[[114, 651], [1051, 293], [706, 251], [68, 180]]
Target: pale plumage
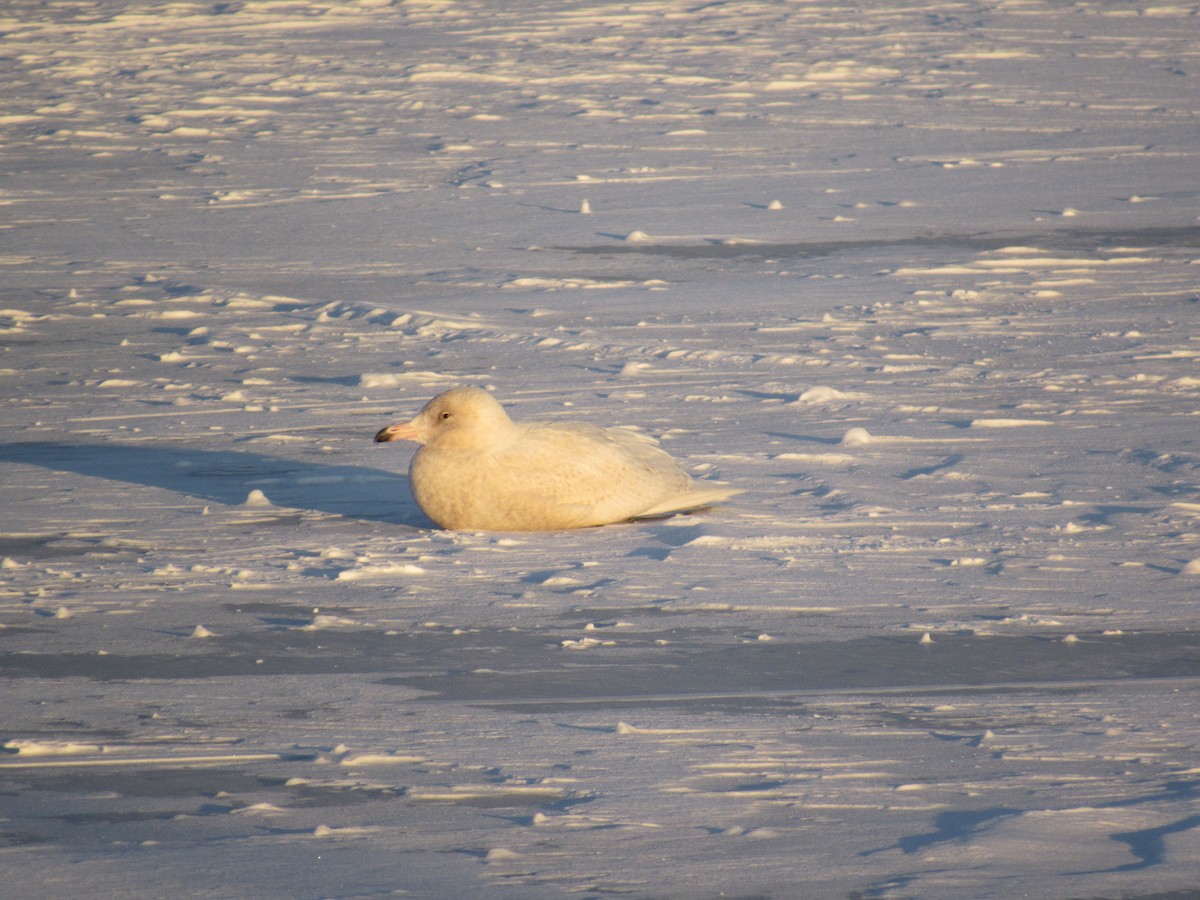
[[478, 470]]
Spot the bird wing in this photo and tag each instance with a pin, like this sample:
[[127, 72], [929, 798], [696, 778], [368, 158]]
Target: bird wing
[[597, 474], [694, 498]]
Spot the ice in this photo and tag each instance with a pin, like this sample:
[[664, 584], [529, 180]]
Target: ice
[[957, 659]]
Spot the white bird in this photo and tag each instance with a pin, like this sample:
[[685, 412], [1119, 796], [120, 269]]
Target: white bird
[[478, 470]]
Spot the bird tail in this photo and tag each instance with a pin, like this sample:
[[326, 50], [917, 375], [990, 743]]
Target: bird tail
[[695, 498]]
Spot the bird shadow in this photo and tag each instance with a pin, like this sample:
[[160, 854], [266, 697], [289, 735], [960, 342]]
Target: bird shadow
[[228, 476]]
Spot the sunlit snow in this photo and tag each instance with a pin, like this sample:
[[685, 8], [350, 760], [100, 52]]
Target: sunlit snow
[[923, 281]]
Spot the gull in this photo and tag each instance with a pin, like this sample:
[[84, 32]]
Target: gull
[[478, 470]]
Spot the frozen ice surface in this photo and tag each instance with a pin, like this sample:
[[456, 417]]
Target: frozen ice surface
[[920, 280]]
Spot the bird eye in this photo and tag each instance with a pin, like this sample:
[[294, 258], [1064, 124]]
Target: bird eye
[[445, 416]]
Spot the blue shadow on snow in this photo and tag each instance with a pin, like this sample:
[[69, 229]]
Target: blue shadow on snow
[[228, 476]]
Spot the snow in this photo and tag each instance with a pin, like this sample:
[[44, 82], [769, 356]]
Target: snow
[[920, 280]]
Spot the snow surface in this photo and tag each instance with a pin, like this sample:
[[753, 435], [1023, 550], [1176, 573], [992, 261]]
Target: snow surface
[[924, 280]]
